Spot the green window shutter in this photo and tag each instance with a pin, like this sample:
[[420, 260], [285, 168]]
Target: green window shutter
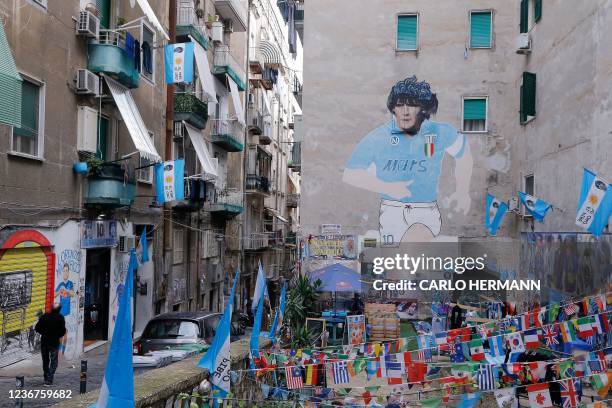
[[537, 12], [524, 16], [528, 96], [407, 32], [10, 85], [104, 11], [102, 138], [474, 109], [480, 30], [29, 110]]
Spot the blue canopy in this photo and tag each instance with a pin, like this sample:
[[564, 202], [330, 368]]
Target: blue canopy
[[337, 278]]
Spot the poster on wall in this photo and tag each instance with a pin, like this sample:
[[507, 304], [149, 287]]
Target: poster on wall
[[356, 329], [408, 310], [98, 234], [332, 247]]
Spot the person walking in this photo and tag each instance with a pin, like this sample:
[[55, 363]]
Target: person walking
[[51, 327]]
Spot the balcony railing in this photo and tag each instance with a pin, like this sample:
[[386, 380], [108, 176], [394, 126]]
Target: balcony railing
[[188, 107], [293, 200], [256, 122], [188, 24], [256, 60], [257, 184], [225, 63], [110, 186], [110, 55], [233, 10], [296, 157], [228, 134], [255, 241], [226, 202]]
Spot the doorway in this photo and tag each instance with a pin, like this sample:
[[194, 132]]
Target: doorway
[[97, 287]]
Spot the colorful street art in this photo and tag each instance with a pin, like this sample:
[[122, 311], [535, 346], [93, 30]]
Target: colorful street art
[[401, 160], [27, 277], [68, 274]]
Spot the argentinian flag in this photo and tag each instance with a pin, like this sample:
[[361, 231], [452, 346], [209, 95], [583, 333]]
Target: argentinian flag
[[261, 289], [179, 63], [595, 203], [117, 389], [217, 358], [536, 207], [170, 181], [280, 312], [495, 211]]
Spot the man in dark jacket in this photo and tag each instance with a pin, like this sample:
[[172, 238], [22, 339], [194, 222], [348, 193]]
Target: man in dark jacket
[[52, 328]]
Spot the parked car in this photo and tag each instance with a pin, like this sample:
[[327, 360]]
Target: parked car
[[177, 328]]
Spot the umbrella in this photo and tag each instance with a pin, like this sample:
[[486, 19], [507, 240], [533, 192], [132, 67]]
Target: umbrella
[[337, 278]]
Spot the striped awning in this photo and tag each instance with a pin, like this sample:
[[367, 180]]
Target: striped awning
[[271, 53], [10, 85]]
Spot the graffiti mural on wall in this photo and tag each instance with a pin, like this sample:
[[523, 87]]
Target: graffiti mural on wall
[[27, 266], [68, 276], [402, 161]]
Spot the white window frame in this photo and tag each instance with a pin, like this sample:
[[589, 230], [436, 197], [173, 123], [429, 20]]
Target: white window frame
[[41, 121], [141, 162], [418, 32], [178, 242], [463, 99], [524, 211], [491, 36], [144, 24]]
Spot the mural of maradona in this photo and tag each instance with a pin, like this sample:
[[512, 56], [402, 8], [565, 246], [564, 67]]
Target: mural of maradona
[[402, 161]]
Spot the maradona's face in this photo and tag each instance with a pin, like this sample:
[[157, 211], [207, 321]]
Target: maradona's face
[[406, 116]]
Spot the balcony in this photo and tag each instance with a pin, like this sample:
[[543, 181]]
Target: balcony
[[109, 186], [295, 163], [256, 60], [191, 109], [291, 239], [109, 55], [257, 184], [224, 63], [188, 24], [256, 241], [293, 200], [226, 203], [265, 138], [234, 11], [269, 78], [228, 134], [195, 192], [256, 122]]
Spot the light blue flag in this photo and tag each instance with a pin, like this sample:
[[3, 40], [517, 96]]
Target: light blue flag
[[261, 289], [469, 400], [178, 59], [170, 181], [217, 358], [144, 246], [536, 207], [117, 390], [495, 212], [254, 343], [280, 312], [496, 346], [595, 204]]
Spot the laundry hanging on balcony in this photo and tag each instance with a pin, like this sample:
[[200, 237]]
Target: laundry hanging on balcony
[[133, 121], [170, 181], [148, 11], [209, 164], [10, 85], [206, 78], [236, 101], [179, 62]]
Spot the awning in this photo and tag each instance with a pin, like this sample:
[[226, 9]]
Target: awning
[[206, 78], [270, 52], [236, 100], [148, 11], [276, 214], [10, 85], [133, 121], [209, 165]]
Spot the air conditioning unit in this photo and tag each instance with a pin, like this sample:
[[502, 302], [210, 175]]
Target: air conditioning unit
[[179, 131], [228, 25], [216, 32], [86, 83], [88, 24], [523, 44], [87, 129], [126, 243]]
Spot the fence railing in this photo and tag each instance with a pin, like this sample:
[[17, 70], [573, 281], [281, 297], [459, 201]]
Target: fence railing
[[223, 58]]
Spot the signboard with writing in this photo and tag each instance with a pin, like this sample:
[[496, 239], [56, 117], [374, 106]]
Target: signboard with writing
[[98, 234], [331, 229], [333, 247]]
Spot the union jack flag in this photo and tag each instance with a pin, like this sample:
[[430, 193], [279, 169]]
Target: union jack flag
[[550, 334], [570, 393], [570, 309]]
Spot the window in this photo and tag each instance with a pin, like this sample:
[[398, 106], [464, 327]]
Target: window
[[407, 32], [103, 134], [28, 139], [528, 97], [481, 29], [537, 10], [177, 243], [171, 329], [104, 12], [475, 114], [528, 188], [524, 16], [145, 175], [147, 55]]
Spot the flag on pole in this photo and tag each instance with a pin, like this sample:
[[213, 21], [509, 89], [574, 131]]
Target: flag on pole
[[217, 358], [594, 204], [539, 395], [254, 342], [535, 206], [280, 312], [144, 246], [495, 211], [179, 62], [170, 181], [261, 288], [117, 388]]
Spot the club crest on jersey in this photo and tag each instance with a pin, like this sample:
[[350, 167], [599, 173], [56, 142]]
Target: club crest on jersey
[[394, 140], [430, 145]]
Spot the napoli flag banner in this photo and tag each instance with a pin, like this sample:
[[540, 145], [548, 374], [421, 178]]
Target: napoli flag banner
[[217, 358], [536, 207], [595, 203], [117, 390], [496, 210], [179, 63], [169, 181]]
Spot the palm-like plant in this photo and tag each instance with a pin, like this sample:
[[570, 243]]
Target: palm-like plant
[[301, 299]]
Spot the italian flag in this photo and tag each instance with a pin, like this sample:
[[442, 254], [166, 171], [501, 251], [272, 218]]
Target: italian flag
[[567, 331], [539, 395], [601, 383], [476, 350]]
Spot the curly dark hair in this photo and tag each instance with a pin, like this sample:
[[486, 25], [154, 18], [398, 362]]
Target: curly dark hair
[[414, 93]]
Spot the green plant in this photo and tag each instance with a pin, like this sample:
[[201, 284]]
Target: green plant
[[301, 337], [121, 21], [301, 298], [94, 164]]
